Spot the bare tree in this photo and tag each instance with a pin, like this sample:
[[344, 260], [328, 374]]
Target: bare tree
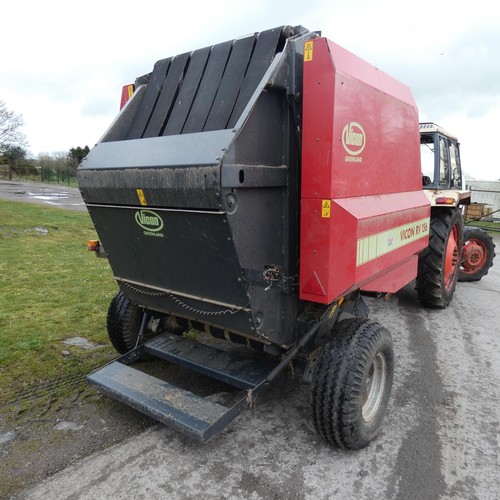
[[10, 125]]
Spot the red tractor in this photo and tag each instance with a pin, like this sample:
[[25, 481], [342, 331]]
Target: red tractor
[[455, 252]]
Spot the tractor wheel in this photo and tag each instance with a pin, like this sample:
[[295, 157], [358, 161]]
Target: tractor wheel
[[352, 383], [123, 322], [477, 254], [439, 263]]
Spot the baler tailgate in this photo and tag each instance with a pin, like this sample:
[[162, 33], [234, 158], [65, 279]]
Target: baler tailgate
[[249, 191], [189, 413]]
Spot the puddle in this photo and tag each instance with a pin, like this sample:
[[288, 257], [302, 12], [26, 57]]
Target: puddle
[[8, 436], [41, 230], [49, 196], [13, 232], [67, 426], [81, 342]]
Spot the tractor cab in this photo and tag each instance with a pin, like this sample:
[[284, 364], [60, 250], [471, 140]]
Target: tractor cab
[[441, 171]]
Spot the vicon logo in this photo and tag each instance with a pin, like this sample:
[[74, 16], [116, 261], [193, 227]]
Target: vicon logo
[[353, 138], [149, 220]]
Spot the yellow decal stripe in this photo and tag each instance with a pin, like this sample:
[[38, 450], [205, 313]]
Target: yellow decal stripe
[[374, 246]]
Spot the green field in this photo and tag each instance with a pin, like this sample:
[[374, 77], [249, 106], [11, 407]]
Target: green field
[[51, 289]]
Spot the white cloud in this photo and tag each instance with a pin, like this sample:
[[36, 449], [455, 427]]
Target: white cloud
[[63, 67]]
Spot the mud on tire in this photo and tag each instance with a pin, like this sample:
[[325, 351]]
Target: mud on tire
[[439, 263], [352, 382]]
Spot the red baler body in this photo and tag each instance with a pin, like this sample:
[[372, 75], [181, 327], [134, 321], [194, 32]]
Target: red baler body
[[364, 216]]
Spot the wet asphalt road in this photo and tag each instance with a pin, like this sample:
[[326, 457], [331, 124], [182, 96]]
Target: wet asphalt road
[[440, 438], [54, 195]]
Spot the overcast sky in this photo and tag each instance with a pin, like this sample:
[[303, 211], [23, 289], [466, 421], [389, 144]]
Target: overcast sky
[[63, 63]]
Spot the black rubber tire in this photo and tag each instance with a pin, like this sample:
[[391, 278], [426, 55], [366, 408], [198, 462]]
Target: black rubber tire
[[433, 289], [123, 322], [339, 378], [480, 236]]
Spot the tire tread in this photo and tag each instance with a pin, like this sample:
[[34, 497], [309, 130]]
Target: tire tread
[[430, 278], [487, 240], [337, 381]]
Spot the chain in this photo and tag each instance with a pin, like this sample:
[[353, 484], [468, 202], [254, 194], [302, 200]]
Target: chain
[[183, 305]]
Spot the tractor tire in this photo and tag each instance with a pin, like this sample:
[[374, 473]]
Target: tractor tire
[[123, 322], [439, 263], [352, 382], [478, 252]]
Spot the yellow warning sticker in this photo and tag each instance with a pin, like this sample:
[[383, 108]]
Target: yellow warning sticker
[[142, 198], [325, 209], [308, 51]]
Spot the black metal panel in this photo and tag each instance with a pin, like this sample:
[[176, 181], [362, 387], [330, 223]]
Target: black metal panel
[[250, 173], [167, 96], [230, 367], [251, 176], [191, 188], [208, 88], [265, 49], [153, 90], [265, 220], [258, 225], [187, 252], [178, 171], [230, 85], [187, 92], [170, 152], [263, 139]]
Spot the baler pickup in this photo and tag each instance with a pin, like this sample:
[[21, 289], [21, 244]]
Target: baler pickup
[[193, 415]]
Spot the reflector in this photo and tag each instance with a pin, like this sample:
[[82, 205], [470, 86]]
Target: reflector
[[127, 91], [93, 245], [443, 200]]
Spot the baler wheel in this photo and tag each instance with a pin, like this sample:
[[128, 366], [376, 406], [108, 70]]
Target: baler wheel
[[439, 263], [352, 383], [477, 254], [123, 322]]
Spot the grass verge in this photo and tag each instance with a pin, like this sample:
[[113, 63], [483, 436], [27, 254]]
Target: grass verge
[[51, 289], [493, 227]]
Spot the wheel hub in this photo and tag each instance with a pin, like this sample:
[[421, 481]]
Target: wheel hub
[[474, 255], [373, 389]]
